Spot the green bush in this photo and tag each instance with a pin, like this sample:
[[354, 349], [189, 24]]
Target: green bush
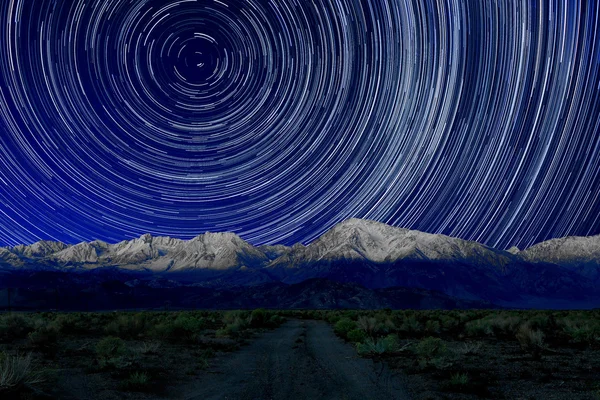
[[479, 328], [432, 327], [73, 324], [258, 318], [389, 344], [127, 326], [111, 352], [368, 324], [234, 327], [531, 340], [431, 347], [137, 382], [356, 336], [14, 326], [459, 382], [16, 371], [343, 326], [186, 325], [275, 320], [44, 337], [411, 326], [582, 331]]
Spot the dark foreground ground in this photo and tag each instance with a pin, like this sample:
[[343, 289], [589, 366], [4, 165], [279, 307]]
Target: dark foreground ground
[[385, 354], [299, 360]]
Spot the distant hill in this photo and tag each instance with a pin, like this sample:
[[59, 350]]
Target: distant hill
[[359, 264]]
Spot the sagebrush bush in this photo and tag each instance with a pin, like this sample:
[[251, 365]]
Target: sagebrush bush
[[430, 348], [236, 323], [470, 348], [344, 326], [459, 381], [368, 324], [411, 326], [44, 336], [370, 346], [16, 371], [75, 323], [432, 327], [111, 352], [479, 328], [581, 331], [356, 336], [258, 318], [149, 348], [531, 340], [14, 326], [137, 381], [128, 326]]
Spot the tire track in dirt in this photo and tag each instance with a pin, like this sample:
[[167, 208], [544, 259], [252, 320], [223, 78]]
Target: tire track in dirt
[[302, 359]]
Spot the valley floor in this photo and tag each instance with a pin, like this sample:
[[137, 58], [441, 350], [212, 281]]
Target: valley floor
[[294, 355]]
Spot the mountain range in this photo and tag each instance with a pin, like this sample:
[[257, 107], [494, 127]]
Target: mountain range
[[357, 260]]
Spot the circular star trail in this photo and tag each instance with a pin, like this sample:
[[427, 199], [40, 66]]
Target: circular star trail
[[277, 119]]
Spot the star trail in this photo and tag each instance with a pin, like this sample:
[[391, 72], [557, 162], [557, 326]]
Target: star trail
[[278, 119]]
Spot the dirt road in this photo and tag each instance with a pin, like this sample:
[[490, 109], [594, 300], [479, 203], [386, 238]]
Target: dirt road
[[299, 360]]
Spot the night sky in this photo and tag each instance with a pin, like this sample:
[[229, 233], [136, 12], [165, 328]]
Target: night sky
[[278, 119]]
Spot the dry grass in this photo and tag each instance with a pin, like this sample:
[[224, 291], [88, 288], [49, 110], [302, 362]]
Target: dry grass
[[16, 371]]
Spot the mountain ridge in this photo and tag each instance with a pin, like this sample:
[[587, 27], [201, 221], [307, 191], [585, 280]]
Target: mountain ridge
[[369, 253]]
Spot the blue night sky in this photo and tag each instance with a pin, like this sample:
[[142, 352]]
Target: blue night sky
[[278, 119]]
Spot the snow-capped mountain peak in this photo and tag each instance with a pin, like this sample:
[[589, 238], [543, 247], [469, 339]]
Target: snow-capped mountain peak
[[565, 250]]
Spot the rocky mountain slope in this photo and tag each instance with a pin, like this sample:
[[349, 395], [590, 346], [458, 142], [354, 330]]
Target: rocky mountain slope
[[371, 254], [579, 254]]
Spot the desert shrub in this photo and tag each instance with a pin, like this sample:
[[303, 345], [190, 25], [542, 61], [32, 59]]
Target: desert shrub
[[16, 372], [432, 352], [161, 331], [332, 317], [479, 328], [469, 348], [350, 314], [258, 318], [580, 332], [431, 347], [127, 326], [73, 324], [204, 358], [111, 352], [185, 327], [137, 382], [411, 326], [234, 327], [504, 325], [343, 326], [531, 340], [149, 348], [44, 337], [274, 321], [356, 336], [14, 326], [387, 326], [448, 323], [376, 347], [188, 325], [458, 382], [432, 327], [541, 321], [231, 317], [368, 324], [392, 343]]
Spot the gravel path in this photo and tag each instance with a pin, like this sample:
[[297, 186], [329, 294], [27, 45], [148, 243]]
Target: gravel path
[[299, 360]]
